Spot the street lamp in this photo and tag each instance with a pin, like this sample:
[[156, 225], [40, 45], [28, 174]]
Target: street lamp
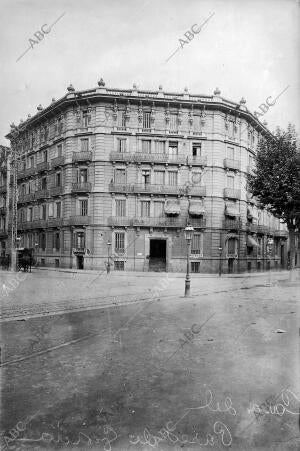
[[108, 257], [188, 233], [220, 261]]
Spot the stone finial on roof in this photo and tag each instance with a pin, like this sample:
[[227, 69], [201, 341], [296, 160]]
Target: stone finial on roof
[[101, 82], [242, 101], [39, 108], [160, 87], [53, 99], [186, 89], [29, 116], [134, 86], [71, 88], [217, 92]]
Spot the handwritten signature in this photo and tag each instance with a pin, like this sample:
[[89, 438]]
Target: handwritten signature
[[280, 408]]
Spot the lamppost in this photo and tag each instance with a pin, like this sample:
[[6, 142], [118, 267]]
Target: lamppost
[[220, 261], [188, 233], [108, 257]]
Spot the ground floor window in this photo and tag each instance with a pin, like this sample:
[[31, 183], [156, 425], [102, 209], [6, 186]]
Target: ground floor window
[[119, 265], [56, 263], [195, 266], [120, 242]]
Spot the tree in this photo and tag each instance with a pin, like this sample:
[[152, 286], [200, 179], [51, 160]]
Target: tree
[[276, 180]]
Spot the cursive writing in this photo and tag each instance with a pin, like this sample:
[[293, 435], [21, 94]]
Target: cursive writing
[[280, 408]]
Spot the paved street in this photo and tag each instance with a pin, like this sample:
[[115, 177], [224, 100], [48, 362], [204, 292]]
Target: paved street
[[124, 362]]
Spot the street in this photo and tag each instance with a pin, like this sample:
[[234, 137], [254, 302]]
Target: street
[[125, 362]]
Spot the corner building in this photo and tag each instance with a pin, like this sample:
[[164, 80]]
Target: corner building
[[110, 173]]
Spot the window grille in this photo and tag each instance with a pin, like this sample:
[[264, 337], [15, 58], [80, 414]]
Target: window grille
[[146, 120], [83, 204], [121, 207], [120, 242]]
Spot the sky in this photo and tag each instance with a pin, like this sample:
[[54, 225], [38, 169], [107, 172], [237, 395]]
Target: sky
[[247, 48]]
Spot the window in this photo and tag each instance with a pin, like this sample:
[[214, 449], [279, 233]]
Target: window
[[30, 240], [173, 178], [231, 129], [174, 122], [83, 207], [231, 246], [59, 150], [146, 120], [196, 149], [79, 240], [43, 241], [260, 246], [30, 214], [120, 207], [173, 148], [45, 155], [121, 120], [195, 266], [50, 211], [32, 162], [120, 176], [230, 181], [57, 241], [44, 183], [120, 242], [145, 208], [119, 265], [82, 175], [160, 147], [230, 153], [146, 146], [84, 145], [86, 118], [58, 179], [56, 261], [196, 243], [250, 160], [159, 209], [43, 211], [146, 177], [197, 124], [122, 145], [159, 177], [58, 209]]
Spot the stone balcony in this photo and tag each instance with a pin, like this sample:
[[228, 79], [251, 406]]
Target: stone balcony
[[281, 233], [232, 193], [38, 224], [121, 221], [58, 161], [232, 164], [54, 222], [143, 157], [175, 222], [41, 194], [23, 198], [3, 189], [262, 229], [77, 220], [81, 187], [198, 222], [56, 190], [197, 161], [81, 156], [44, 166], [29, 172]]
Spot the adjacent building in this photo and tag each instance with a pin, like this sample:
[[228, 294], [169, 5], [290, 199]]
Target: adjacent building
[[115, 175], [4, 198]]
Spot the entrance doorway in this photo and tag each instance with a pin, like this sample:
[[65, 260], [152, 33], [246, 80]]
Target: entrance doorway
[[157, 257], [230, 265], [80, 261], [282, 255]]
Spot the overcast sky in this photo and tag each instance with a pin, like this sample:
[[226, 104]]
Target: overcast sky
[[248, 48]]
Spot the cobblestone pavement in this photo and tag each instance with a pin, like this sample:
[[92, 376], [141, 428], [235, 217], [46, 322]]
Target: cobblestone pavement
[[219, 370]]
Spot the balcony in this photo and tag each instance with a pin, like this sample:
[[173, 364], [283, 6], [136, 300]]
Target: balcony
[[3, 189], [158, 189], [121, 188], [81, 187], [281, 233], [160, 222], [143, 157], [232, 164], [262, 229], [42, 194], [39, 224], [20, 175], [30, 171], [58, 161], [197, 161], [56, 190], [122, 221], [197, 191], [77, 220], [81, 156], [54, 222], [231, 224], [232, 193], [251, 227], [199, 222], [23, 198], [44, 166]]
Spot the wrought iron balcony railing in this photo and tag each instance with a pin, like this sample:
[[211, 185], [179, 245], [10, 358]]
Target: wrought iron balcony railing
[[23, 198], [197, 161], [81, 187], [144, 157], [56, 190], [231, 224], [159, 222], [42, 194], [54, 222], [199, 222], [82, 156], [58, 161], [30, 171], [77, 220], [44, 166], [123, 221]]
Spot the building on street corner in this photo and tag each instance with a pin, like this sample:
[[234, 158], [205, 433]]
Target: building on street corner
[[113, 175]]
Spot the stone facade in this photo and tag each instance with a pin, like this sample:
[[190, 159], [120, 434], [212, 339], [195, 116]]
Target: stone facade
[[110, 174]]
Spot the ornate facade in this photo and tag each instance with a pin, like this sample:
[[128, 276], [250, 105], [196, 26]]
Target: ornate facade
[[110, 174]]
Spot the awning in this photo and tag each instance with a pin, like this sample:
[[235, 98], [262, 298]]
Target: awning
[[231, 210], [172, 207], [251, 242], [196, 208]]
